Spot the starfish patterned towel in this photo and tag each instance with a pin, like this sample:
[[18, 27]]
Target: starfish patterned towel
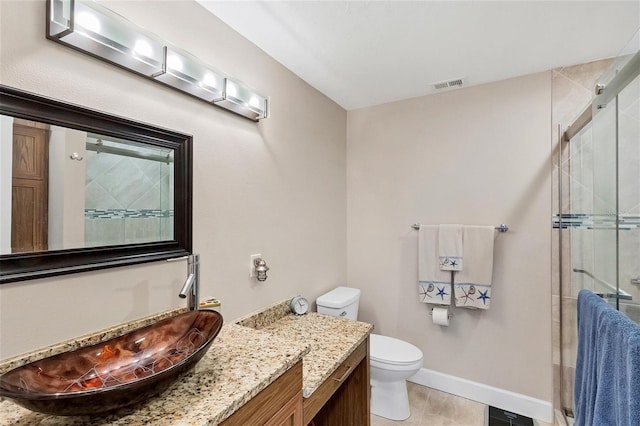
[[473, 284], [450, 248], [434, 285]]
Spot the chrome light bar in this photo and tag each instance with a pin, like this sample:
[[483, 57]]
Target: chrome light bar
[[102, 33]]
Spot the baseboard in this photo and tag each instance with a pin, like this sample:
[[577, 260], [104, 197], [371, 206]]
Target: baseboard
[[518, 403]]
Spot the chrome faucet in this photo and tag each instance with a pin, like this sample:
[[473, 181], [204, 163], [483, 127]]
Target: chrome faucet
[[191, 288]]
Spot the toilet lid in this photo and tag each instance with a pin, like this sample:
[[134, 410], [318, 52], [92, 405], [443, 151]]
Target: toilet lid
[[388, 350]]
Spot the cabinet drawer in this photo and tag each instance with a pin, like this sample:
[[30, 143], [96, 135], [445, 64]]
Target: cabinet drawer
[[317, 400]]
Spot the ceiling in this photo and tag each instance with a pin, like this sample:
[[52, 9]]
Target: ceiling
[[363, 53]]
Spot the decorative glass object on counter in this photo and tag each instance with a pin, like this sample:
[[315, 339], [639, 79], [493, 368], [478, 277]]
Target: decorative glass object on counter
[[115, 373]]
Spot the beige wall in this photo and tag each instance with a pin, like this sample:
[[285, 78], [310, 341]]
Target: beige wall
[[276, 188], [480, 155]]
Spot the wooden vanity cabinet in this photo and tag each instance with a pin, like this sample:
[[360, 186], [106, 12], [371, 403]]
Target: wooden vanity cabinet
[[279, 404], [289, 415], [344, 397]]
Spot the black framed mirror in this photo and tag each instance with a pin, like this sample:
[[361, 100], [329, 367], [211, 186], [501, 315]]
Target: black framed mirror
[[82, 190]]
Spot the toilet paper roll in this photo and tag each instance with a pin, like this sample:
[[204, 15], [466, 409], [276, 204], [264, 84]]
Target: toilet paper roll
[[440, 316]]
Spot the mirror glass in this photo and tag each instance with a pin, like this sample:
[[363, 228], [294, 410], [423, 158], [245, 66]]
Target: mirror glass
[[83, 190], [75, 189]]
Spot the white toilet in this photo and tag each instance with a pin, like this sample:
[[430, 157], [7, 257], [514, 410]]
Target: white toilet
[[392, 360]]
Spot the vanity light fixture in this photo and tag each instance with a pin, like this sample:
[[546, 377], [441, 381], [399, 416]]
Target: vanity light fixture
[[244, 101], [104, 34], [185, 72], [99, 32]]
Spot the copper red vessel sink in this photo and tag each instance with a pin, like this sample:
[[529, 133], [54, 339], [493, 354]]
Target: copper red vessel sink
[[115, 373]]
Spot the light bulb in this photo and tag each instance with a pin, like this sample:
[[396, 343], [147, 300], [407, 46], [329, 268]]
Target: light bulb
[[174, 63], [143, 48], [254, 102], [231, 89], [88, 21], [210, 81]]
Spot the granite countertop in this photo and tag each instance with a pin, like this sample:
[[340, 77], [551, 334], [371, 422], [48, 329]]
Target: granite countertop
[[239, 364], [245, 358], [331, 339]]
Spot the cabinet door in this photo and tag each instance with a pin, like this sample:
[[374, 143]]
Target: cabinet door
[[265, 407], [289, 415], [344, 397]]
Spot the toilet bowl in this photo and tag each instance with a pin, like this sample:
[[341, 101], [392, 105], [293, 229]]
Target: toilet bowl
[[392, 360]]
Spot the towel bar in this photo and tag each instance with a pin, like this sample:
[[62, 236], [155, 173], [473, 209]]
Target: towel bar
[[501, 228]]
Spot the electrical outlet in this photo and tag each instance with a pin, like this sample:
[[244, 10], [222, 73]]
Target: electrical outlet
[[252, 267]]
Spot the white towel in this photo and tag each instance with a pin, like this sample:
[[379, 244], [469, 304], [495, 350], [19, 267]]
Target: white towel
[[473, 284], [434, 285], [450, 248]]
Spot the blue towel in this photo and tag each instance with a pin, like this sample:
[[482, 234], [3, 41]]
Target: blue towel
[[589, 307], [607, 387]]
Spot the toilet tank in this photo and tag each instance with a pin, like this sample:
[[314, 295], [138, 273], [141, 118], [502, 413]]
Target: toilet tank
[[340, 302]]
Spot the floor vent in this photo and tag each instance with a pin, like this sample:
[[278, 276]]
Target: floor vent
[[497, 417], [458, 82]]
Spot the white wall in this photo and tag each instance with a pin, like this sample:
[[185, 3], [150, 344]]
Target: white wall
[[480, 155], [276, 188], [66, 188]]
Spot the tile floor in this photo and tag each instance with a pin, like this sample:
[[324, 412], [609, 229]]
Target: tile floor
[[430, 407]]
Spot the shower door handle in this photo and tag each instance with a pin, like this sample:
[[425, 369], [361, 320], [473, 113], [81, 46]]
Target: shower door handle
[[615, 296], [635, 281], [619, 294]]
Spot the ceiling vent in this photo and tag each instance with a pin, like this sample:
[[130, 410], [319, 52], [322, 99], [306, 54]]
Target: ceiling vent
[[449, 84]]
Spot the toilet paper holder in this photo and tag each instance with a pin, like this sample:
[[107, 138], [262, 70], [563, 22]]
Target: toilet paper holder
[[449, 314]]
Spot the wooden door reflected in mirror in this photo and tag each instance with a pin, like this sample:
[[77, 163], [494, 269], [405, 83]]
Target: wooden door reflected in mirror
[[29, 186]]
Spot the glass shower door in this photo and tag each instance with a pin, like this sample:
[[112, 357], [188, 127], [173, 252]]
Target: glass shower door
[[603, 203], [628, 111], [604, 232], [616, 178], [594, 247]]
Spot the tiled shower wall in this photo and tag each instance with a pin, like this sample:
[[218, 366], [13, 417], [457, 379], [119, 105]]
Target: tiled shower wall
[[572, 90], [127, 200]]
